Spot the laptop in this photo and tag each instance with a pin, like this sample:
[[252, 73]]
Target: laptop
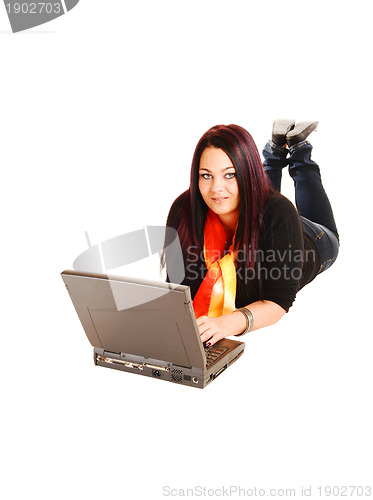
[[146, 327]]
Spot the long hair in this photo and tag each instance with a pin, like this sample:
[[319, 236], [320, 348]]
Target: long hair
[[253, 186]]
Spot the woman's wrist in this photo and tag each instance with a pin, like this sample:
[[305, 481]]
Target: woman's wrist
[[238, 323], [249, 320]]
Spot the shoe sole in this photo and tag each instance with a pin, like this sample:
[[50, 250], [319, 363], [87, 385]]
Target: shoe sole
[[282, 127], [300, 132]]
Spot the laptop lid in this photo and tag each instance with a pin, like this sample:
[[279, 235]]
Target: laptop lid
[[145, 318]]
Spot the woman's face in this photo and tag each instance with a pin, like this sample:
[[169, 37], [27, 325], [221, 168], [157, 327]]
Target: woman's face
[[217, 182]]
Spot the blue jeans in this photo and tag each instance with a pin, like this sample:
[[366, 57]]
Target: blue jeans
[[310, 197]]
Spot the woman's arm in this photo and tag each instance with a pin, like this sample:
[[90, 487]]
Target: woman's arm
[[265, 313]]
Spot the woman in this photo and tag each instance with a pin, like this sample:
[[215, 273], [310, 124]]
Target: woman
[[247, 250]]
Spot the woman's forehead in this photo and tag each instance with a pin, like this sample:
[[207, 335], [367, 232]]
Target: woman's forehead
[[215, 159]]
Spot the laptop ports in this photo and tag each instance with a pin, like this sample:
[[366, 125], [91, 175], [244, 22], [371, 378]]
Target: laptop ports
[[112, 361], [215, 375], [157, 368]]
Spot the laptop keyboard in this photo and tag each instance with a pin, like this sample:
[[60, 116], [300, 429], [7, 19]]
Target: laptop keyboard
[[213, 353]]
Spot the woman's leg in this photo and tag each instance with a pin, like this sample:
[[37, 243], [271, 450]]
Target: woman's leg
[[310, 196], [275, 159], [313, 204]]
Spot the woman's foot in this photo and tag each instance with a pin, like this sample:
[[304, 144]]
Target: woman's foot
[[300, 132], [279, 130]]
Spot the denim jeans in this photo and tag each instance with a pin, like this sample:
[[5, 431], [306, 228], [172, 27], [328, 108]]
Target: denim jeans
[[310, 197]]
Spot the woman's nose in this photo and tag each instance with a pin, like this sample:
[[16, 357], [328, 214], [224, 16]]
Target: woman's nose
[[217, 185]]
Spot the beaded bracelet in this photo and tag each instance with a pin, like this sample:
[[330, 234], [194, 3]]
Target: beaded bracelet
[[249, 320]]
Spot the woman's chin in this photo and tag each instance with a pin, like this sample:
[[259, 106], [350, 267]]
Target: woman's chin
[[223, 211]]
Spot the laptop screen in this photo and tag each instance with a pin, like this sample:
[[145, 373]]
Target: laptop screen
[[144, 318]]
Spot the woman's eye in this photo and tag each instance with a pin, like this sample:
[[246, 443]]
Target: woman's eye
[[230, 175]]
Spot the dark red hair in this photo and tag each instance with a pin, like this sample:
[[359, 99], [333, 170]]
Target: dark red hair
[[253, 186]]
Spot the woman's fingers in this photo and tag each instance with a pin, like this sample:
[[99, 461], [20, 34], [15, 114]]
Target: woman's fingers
[[208, 330], [201, 320], [204, 327], [212, 340], [206, 334], [212, 329]]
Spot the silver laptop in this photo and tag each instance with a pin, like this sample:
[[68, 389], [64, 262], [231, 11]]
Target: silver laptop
[[146, 327]]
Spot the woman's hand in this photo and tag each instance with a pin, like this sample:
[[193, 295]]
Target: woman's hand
[[215, 329], [265, 313]]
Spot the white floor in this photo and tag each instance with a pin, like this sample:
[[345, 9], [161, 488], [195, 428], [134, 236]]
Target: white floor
[[99, 119]]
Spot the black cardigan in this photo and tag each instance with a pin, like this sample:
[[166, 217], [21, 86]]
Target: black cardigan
[[287, 257]]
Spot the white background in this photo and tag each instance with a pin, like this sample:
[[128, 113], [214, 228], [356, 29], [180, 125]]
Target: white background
[[100, 112]]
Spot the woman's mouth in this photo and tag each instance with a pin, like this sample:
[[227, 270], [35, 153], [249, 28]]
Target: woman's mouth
[[219, 200]]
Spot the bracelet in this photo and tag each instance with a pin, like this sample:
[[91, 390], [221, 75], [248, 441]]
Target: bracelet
[[249, 320]]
